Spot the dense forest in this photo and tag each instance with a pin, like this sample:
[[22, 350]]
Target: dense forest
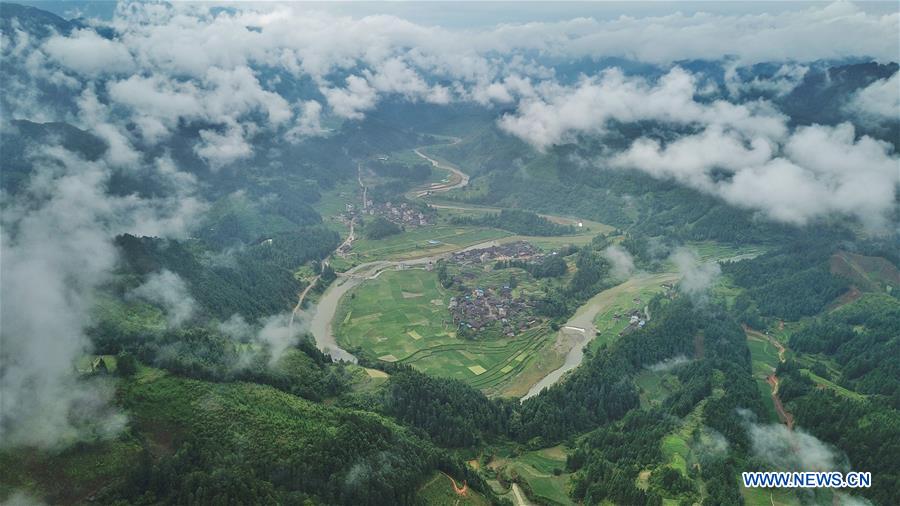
[[519, 222]]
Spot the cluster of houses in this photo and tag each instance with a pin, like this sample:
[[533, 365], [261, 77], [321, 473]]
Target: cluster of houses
[[636, 317], [519, 250], [399, 213], [481, 308]]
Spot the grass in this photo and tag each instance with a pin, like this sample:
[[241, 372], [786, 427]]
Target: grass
[[712, 250], [584, 235], [818, 380], [620, 299], [654, 387], [537, 468], [381, 319], [764, 357], [767, 497], [334, 202], [675, 447], [421, 241]]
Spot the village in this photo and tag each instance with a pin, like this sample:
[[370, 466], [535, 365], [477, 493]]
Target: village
[[482, 308], [400, 213], [518, 250]]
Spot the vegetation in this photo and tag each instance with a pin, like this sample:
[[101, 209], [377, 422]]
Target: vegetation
[[379, 228], [519, 222], [232, 405]]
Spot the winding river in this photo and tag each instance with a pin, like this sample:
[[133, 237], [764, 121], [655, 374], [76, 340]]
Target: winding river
[[320, 325], [579, 328]]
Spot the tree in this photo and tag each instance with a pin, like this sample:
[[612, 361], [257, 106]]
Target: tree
[[126, 364]]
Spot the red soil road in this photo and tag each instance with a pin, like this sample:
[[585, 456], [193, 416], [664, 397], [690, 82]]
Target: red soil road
[[784, 415], [464, 490]]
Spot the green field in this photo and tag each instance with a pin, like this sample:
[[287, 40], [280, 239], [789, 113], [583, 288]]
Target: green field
[[334, 202], [763, 355], [620, 299], [402, 316], [584, 235], [538, 469], [711, 250], [654, 386], [419, 242], [767, 496]]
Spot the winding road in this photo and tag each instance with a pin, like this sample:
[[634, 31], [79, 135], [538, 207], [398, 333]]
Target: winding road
[[463, 178], [323, 314]]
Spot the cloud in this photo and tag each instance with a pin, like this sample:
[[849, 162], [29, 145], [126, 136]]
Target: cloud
[[222, 148], [710, 444], [87, 53], [879, 102], [793, 450], [21, 498], [278, 334], [352, 101], [621, 260], [669, 364], [558, 114], [782, 82], [169, 291], [308, 123], [57, 250], [237, 328], [696, 276], [815, 171]]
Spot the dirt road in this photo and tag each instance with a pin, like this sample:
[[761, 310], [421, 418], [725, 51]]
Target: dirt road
[[462, 179], [521, 500]]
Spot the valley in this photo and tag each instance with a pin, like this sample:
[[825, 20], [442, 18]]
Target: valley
[[377, 254]]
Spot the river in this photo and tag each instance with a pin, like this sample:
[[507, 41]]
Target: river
[[581, 328], [320, 325]]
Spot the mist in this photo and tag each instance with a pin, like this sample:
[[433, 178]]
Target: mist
[[167, 290], [621, 260], [697, 277]]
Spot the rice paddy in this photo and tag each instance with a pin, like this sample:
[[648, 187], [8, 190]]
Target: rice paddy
[[379, 321]]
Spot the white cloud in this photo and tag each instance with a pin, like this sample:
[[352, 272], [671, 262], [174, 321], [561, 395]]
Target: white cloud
[[697, 277], [171, 293], [793, 450], [220, 149], [621, 260], [878, 102], [782, 82], [352, 101], [815, 172], [278, 334], [57, 249], [557, 114], [87, 53], [308, 123]]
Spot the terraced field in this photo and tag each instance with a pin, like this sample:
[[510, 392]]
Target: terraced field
[[402, 316]]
